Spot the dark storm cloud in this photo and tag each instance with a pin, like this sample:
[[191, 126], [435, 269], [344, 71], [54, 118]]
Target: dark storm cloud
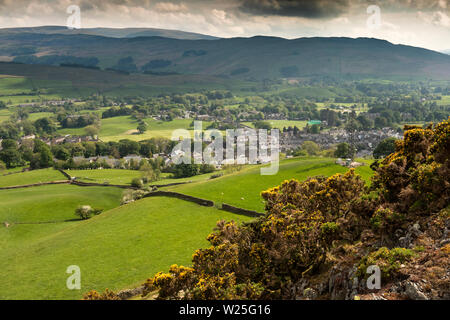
[[296, 8]]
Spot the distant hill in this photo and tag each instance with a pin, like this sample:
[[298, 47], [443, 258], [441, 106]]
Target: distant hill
[[243, 58], [75, 82], [112, 32]]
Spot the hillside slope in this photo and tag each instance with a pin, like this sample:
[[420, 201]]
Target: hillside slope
[[116, 249], [112, 32], [74, 82], [249, 58]]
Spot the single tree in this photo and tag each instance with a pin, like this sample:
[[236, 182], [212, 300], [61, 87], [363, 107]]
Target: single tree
[[384, 148], [343, 150], [142, 127]]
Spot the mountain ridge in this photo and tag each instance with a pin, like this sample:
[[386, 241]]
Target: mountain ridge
[[257, 57], [111, 32]]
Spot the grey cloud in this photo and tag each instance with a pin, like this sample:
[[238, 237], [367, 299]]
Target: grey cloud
[[403, 6], [296, 8]]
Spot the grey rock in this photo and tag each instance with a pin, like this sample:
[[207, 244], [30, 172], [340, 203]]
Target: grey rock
[[412, 290], [415, 230], [404, 242], [398, 233], [126, 294], [355, 283]]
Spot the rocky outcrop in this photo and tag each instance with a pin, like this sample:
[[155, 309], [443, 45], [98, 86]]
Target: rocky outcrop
[[129, 293]]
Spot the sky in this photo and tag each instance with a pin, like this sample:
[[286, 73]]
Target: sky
[[422, 23]]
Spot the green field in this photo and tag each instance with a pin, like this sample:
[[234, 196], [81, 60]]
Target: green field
[[31, 177], [445, 101], [53, 202], [166, 178], [38, 115], [12, 170], [243, 188], [16, 89], [15, 85], [111, 176], [4, 114], [124, 177], [118, 128], [117, 249]]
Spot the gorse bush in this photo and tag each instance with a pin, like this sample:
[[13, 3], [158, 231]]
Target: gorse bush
[[107, 295], [259, 259], [417, 175]]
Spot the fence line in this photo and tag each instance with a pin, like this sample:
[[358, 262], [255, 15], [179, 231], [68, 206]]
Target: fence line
[[233, 209], [181, 196], [35, 185], [94, 184]]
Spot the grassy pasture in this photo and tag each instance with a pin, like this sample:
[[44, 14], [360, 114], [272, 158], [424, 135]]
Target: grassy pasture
[[31, 177], [12, 170], [445, 101], [166, 178], [4, 114], [54, 202], [111, 176], [15, 85], [72, 131], [117, 249], [118, 128], [124, 177], [243, 188], [38, 115]]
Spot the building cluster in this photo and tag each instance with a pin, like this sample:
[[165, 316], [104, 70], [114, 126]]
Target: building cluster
[[365, 141], [49, 103], [67, 139]]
